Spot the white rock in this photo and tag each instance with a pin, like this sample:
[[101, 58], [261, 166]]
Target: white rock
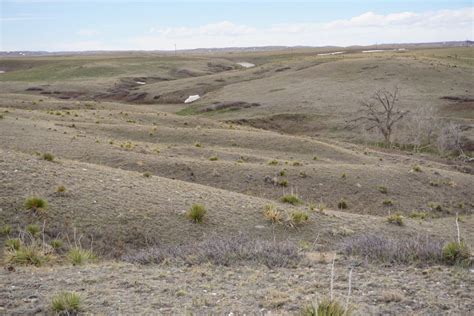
[[192, 98], [246, 64]]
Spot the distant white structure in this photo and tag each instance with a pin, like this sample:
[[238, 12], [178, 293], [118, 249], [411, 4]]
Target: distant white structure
[[333, 53], [192, 98], [140, 82], [246, 64]]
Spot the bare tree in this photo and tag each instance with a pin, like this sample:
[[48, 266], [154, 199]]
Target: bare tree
[[381, 113]]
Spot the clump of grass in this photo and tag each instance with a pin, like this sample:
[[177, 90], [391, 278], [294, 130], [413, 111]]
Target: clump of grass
[[282, 173], [315, 158], [27, 255], [61, 189], [5, 230], [296, 163], [435, 206], [36, 203], [199, 145], [66, 303], [419, 215], [56, 244], [342, 205], [434, 183], [383, 189], [1, 116], [396, 219], [326, 308], [272, 214], [343, 176], [13, 243], [456, 253], [147, 174], [33, 229], [298, 217], [387, 202], [197, 213], [48, 157], [416, 168], [283, 183], [291, 199], [273, 162], [78, 256], [213, 158]]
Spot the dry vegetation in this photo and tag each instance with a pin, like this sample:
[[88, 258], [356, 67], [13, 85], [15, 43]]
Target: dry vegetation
[[116, 197]]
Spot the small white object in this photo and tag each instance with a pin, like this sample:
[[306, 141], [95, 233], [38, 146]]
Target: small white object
[[192, 98], [246, 64], [140, 82]]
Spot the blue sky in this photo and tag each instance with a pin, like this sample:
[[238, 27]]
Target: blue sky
[[105, 24]]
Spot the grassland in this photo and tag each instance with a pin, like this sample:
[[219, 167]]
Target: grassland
[[132, 159]]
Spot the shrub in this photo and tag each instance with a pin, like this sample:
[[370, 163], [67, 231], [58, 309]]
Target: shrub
[[455, 253], [48, 157], [196, 213], [5, 230], [222, 251], [435, 207], [282, 173], [416, 168], [33, 229], [56, 244], [1, 116], [420, 215], [377, 247], [272, 214], [326, 308], [35, 203], [298, 217], [387, 202], [78, 256], [27, 255], [343, 176], [342, 205], [291, 199], [61, 189], [147, 174], [396, 219], [213, 158], [13, 244], [273, 162], [296, 163], [198, 145], [283, 183], [66, 303], [383, 189]]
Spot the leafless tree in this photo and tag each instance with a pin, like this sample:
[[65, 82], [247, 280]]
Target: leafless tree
[[381, 112]]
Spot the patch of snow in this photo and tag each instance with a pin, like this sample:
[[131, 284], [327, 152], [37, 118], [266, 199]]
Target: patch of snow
[[374, 51], [333, 53], [246, 64], [192, 98], [1, 71], [140, 82]]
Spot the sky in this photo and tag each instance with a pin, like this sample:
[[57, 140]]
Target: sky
[[75, 25]]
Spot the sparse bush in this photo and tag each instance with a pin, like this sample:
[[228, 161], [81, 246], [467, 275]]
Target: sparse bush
[[33, 229], [342, 205], [396, 219], [326, 308], [296, 163], [273, 162], [61, 189], [147, 174], [396, 249], [283, 183], [56, 244], [196, 213], [455, 253], [213, 158], [198, 145], [272, 214], [291, 199], [27, 255], [387, 202], [5, 230], [78, 256], [383, 189], [48, 157], [298, 217], [416, 168], [36, 203], [13, 244], [420, 215], [66, 303], [435, 206], [282, 173], [223, 251]]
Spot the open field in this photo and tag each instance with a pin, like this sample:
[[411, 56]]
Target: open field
[[132, 158]]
